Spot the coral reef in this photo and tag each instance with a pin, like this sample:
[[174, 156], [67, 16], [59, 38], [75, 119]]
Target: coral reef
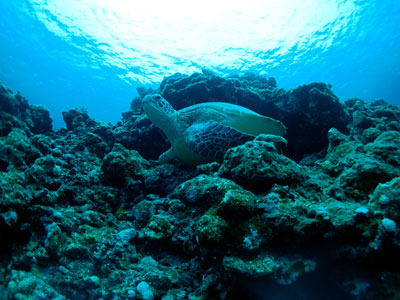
[[86, 212]]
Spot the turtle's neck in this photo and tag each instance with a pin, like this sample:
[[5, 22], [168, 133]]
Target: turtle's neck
[[163, 116], [168, 124]]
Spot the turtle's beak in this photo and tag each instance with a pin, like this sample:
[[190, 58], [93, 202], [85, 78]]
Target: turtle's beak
[[152, 101], [146, 102], [150, 107], [146, 99]]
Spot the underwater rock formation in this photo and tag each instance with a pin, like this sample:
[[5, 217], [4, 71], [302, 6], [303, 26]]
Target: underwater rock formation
[[135, 131], [258, 165], [15, 112], [87, 213]]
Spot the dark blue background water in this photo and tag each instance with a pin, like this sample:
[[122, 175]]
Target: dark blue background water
[[54, 62]]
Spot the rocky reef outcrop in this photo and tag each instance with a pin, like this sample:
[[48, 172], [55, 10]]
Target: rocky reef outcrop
[[15, 112], [87, 212]]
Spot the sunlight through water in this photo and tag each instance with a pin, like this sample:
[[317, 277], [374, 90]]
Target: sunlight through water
[[150, 39]]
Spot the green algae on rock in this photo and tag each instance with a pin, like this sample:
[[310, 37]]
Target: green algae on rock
[[386, 199]]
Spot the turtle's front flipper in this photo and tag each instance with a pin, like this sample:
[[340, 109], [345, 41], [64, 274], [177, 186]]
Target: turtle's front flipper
[[212, 139], [167, 156]]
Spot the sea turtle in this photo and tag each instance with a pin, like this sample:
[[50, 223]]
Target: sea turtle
[[203, 132]]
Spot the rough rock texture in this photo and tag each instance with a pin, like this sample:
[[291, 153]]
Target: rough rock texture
[[15, 112], [85, 213], [258, 165], [309, 111]]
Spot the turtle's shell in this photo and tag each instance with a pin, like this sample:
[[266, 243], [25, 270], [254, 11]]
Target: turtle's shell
[[204, 132]]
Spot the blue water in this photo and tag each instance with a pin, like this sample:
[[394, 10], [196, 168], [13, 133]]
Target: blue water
[[94, 53]]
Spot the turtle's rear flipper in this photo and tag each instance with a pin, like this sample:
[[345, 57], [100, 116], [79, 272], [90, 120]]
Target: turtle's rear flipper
[[212, 139]]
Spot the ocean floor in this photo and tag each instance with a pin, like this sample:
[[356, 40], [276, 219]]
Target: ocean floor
[[87, 212]]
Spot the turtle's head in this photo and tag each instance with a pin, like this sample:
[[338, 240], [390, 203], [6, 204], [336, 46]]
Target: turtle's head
[[158, 110]]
